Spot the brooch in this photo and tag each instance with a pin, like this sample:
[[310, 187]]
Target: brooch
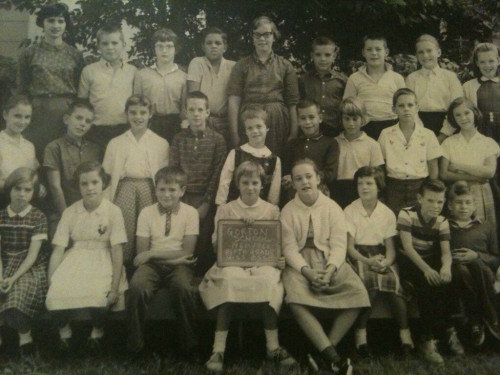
[[102, 229]]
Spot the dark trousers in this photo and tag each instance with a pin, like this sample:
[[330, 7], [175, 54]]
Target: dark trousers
[[166, 126], [401, 193], [473, 282], [434, 302], [433, 120], [102, 134], [147, 279], [344, 192], [374, 128]]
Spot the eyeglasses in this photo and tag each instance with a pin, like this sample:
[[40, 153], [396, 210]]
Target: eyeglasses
[[265, 35]]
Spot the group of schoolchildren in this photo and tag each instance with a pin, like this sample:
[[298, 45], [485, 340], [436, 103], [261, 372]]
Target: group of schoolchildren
[[154, 142]]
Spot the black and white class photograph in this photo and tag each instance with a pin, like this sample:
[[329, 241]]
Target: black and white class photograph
[[227, 187]]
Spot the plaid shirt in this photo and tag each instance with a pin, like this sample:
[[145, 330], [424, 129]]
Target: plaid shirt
[[201, 155]]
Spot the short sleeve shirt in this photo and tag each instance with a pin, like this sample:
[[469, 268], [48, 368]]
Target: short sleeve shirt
[[151, 224], [14, 154], [473, 152]]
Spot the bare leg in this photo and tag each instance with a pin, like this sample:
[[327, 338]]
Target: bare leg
[[344, 321], [399, 309], [367, 312], [269, 316], [310, 326]]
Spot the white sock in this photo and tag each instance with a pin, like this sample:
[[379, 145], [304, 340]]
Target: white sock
[[360, 337], [25, 338], [405, 336], [97, 333], [65, 332], [220, 341], [272, 342]]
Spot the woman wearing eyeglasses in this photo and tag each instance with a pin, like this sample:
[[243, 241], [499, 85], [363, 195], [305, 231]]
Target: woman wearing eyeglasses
[[267, 79]]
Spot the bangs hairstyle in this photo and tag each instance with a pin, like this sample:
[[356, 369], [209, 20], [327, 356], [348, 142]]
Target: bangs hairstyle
[[325, 41], [213, 30], [110, 29], [353, 107], [428, 184], [306, 103], [478, 117], [427, 38], [265, 20], [14, 101], [165, 35], [79, 103], [306, 161], [53, 10], [483, 47], [91, 166], [374, 37], [254, 111], [249, 169], [171, 175], [457, 189], [376, 172], [22, 175], [139, 100], [197, 95], [401, 92]]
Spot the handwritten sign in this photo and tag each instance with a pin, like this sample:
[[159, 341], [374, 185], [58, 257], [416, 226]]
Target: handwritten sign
[[245, 245]]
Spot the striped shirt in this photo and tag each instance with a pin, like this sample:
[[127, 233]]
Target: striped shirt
[[426, 237], [201, 155]]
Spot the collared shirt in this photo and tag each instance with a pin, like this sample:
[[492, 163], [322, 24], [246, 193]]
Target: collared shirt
[[65, 155], [273, 81], [425, 236], [201, 155], [18, 229], [103, 226], [470, 152], [408, 160], [15, 153], [377, 95], [371, 229], [213, 84], [151, 224], [323, 150], [326, 90], [47, 69], [360, 152], [435, 89], [166, 90], [137, 163], [108, 89]]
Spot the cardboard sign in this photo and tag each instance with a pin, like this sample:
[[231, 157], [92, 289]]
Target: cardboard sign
[[239, 244]]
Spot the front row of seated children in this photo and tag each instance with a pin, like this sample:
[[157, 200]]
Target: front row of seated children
[[317, 274]]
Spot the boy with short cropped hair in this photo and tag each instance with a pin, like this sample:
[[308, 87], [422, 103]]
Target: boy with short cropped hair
[[425, 265], [324, 85], [166, 237], [411, 152], [474, 248], [164, 84], [63, 155], [107, 84], [375, 84], [201, 152], [210, 75]]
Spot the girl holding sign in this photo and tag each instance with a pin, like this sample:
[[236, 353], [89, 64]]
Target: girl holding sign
[[317, 276], [222, 287]]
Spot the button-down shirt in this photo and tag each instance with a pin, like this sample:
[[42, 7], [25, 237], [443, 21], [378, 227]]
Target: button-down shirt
[[166, 90], [108, 89], [360, 152], [213, 84], [201, 155], [435, 89], [408, 160], [45, 69], [15, 153], [377, 95], [474, 151]]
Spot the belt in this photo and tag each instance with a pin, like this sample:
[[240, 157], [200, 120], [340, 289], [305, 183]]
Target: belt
[[54, 96]]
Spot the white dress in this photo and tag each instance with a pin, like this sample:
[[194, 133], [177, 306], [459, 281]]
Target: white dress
[[238, 284], [83, 277]]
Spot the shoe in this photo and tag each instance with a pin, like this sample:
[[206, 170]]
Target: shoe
[[430, 353], [94, 346], [477, 335], [342, 367], [406, 350], [454, 343], [493, 327], [27, 350], [281, 357], [364, 351], [216, 362], [63, 347]]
